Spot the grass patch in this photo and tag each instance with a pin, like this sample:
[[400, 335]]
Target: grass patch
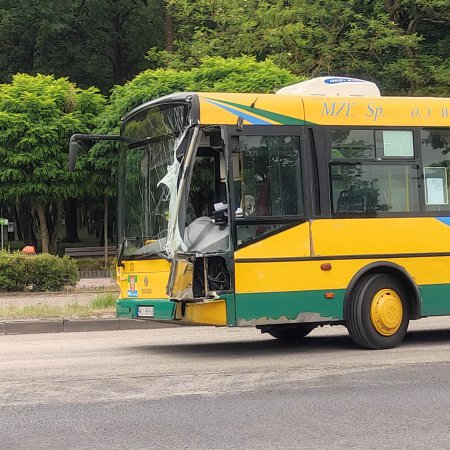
[[104, 301], [100, 305]]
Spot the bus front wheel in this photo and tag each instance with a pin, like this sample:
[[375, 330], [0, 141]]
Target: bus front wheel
[[289, 333], [378, 312]]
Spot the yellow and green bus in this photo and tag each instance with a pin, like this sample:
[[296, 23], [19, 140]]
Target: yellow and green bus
[[286, 212]]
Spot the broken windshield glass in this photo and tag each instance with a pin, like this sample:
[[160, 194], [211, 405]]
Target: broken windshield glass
[[148, 177]]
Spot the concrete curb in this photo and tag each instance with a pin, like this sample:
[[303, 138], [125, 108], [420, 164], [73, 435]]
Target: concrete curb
[[69, 326]]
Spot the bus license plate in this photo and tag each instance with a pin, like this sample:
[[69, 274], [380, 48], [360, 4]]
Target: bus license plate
[[146, 311]]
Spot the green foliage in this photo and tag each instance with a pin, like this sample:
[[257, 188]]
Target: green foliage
[[13, 271], [97, 42], [37, 116], [402, 45], [217, 74], [104, 301], [243, 74], [42, 272], [51, 273]]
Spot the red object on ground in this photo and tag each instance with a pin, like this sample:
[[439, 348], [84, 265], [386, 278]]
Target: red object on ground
[[29, 250]]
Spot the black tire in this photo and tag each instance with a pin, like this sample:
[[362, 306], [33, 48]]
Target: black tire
[[359, 318], [289, 333]]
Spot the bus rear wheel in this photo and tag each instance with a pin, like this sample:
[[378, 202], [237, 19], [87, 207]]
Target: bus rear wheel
[[378, 312], [289, 333]]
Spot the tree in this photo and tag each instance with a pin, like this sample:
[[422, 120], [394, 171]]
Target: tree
[[113, 38], [95, 42], [400, 44], [29, 31], [425, 69], [37, 116]]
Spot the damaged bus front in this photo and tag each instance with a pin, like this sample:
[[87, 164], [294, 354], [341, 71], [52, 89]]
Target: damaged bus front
[[172, 212]]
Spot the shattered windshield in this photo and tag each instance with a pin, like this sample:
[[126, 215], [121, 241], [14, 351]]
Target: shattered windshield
[[144, 201]]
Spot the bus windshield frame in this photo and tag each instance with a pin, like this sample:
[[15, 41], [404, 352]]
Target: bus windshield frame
[[149, 168]]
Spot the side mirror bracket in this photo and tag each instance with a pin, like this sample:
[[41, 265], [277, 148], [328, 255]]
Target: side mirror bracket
[[74, 144]]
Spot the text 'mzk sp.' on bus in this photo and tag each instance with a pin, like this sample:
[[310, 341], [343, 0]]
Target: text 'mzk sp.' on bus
[[323, 204]]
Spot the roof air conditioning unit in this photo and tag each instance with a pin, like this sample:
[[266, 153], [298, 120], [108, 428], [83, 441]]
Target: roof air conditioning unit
[[332, 86]]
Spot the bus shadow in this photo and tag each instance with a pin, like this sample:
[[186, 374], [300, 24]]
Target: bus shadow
[[270, 347], [244, 349], [440, 336]]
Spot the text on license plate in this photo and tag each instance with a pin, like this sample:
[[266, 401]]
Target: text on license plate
[[146, 311]]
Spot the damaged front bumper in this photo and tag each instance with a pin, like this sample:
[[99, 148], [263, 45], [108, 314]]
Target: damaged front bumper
[[157, 309], [205, 313]]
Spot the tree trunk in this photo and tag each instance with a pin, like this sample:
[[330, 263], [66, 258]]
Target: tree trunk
[[26, 223], [105, 230], [57, 227], [168, 30], [50, 218], [43, 228], [85, 218], [71, 215], [111, 226], [17, 226]]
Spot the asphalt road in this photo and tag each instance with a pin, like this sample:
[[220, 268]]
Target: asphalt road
[[208, 388]]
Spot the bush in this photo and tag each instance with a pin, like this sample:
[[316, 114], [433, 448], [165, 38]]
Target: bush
[[41, 272], [13, 271]]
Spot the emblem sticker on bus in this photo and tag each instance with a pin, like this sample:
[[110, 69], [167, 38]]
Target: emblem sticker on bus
[[146, 289], [132, 291]]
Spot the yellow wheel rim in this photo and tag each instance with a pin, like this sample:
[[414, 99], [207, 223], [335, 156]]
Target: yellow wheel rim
[[386, 312]]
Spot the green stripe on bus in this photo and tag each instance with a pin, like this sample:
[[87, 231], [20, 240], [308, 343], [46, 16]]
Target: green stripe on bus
[[435, 299], [285, 307], [280, 118]]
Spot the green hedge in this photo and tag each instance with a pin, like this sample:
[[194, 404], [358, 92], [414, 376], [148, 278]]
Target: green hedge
[[41, 272]]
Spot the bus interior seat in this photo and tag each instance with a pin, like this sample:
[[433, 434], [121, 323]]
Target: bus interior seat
[[357, 200]]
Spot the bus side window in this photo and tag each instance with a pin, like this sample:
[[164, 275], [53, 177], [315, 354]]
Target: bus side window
[[435, 146], [269, 185], [373, 170], [270, 176]]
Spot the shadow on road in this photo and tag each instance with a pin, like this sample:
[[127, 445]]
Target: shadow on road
[[268, 347], [427, 337], [245, 349]]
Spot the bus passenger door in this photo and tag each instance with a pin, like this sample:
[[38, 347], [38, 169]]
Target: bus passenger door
[[272, 234]]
